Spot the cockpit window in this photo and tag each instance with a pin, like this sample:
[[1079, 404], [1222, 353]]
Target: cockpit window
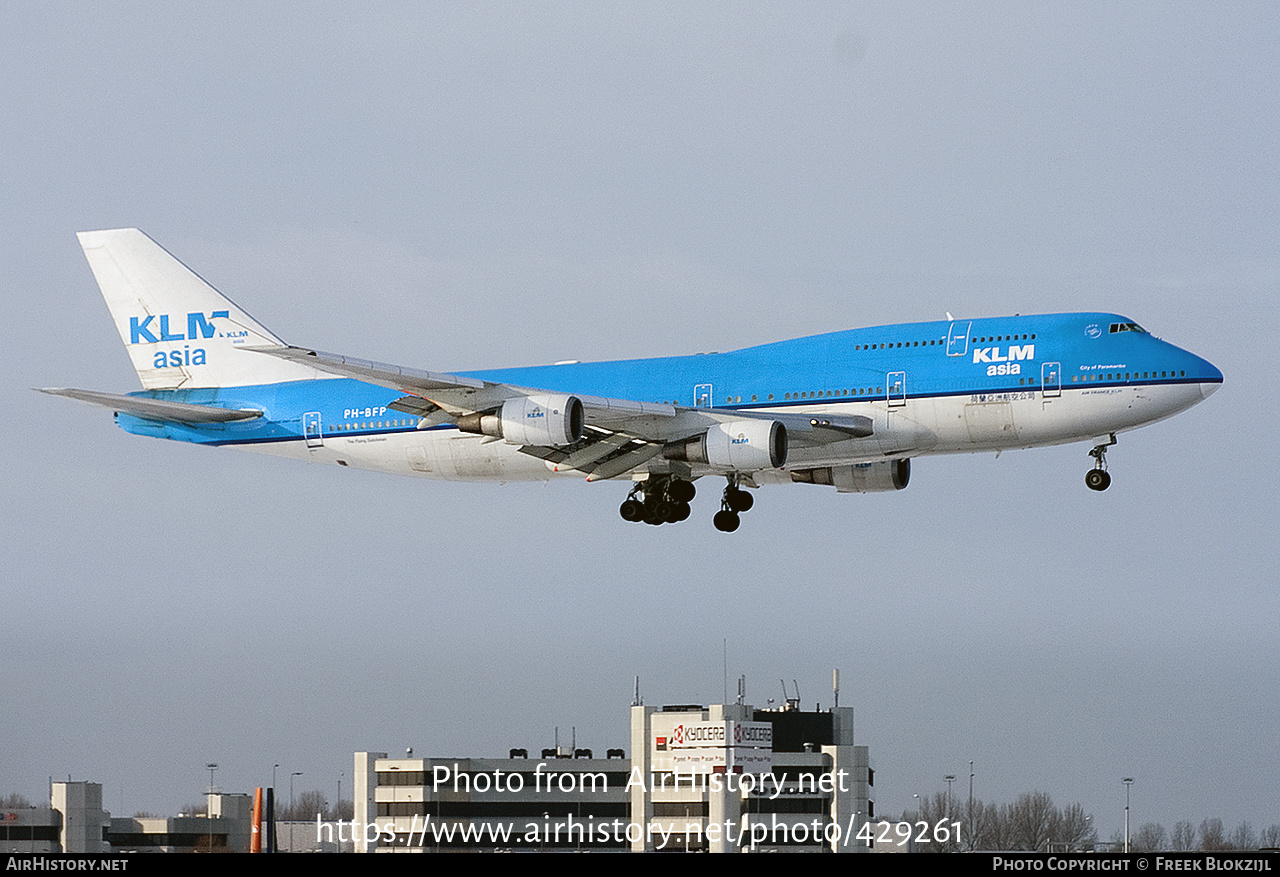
[[1126, 327]]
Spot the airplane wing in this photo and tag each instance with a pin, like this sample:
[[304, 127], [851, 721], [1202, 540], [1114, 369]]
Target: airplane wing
[[617, 436], [157, 409]]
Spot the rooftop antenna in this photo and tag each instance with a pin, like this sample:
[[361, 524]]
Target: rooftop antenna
[[726, 670], [636, 701], [790, 703], [742, 690], [835, 685]]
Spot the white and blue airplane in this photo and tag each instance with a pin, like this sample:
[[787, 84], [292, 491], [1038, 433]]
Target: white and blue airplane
[[847, 409]]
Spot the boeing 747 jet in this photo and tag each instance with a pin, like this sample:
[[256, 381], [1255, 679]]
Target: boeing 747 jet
[[847, 409]]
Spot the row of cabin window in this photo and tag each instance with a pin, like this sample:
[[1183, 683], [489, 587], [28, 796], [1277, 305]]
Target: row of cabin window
[[1128, 376], [933, 342], [817, 394], [369, 424]]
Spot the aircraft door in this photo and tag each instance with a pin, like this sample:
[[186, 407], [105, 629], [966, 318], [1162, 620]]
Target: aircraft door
[[702, 396], [311, 429], [1051, 380], [958, 339], [897, 393]]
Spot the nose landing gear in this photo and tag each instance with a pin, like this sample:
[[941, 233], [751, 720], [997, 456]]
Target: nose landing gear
[[1098, 478], [734, 502]]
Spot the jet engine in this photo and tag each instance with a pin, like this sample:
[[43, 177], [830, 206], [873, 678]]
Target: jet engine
[[744, 446], [860, 478], [543, 420]]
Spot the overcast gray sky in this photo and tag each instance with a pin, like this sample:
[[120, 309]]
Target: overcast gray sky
[[457, 186]]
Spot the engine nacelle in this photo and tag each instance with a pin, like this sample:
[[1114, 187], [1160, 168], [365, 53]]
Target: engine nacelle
[[543, 420], [743, 446], [861, 478]]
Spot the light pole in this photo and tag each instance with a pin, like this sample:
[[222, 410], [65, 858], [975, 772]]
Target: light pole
[[208, 804], [1128, 781], [292, 815], [950, 778], [969, 817]]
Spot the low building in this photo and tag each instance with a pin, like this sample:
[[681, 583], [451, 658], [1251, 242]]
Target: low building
[[30, 830], [722, 778], [225, 828]]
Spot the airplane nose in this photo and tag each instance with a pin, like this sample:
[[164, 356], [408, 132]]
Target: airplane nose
[[1212, 379]]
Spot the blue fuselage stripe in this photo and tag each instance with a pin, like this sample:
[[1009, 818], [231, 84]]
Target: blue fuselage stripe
[[931, 360]]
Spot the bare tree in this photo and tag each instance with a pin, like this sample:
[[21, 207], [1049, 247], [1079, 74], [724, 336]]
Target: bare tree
[[976, 824], [930, 810], [1073, 828], [312, 803], [1184, 836], [1243, 837], [997, 827], [1149, 839], [1212, 836], [1032, 819], [15, 802], [1270, 839], [305, 808]]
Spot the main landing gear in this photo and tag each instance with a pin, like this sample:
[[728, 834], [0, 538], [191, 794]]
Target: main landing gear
[[734, 502], [659, 500], [664, 499], [1098, 478]]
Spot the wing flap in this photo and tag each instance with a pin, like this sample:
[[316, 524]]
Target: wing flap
[[629, 459]]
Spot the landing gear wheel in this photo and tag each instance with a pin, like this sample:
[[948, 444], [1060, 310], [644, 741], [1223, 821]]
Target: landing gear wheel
[[739, 500], [659, 499], [681, 491], [1097, 478], [726, 521]]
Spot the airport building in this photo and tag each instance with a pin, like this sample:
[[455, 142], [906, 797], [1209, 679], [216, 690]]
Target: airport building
[[719, 778], [74, 822]]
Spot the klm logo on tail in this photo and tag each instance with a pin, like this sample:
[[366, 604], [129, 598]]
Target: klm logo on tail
[[142, 332], [154, 329]]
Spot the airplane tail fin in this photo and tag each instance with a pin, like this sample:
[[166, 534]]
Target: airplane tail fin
[[179, 331]]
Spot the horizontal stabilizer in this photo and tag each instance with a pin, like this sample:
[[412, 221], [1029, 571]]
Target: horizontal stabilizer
[[157, 409]]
